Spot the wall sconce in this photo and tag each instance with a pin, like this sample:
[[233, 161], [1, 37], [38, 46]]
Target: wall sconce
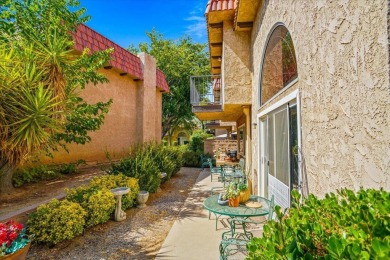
[[254, 125], [219, 59]]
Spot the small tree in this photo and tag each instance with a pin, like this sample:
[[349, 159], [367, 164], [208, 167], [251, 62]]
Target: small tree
[[178, 59], [40, 76]]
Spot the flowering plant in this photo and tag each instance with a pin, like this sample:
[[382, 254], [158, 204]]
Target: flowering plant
[[12, 237]]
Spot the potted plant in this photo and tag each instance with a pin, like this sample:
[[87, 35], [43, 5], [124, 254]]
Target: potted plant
[[244, 192], [233, 194], [14, 243]]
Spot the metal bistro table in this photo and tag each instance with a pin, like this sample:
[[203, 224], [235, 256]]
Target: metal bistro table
[[238, 216], [242, 211]]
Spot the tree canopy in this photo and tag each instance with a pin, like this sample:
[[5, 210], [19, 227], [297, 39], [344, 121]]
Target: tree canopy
[[179, 60], [40, 79]]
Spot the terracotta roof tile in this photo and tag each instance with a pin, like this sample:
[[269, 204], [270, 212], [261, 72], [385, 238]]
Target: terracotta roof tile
[[86, 37], [161, 81], [220, 5], [121, 58]]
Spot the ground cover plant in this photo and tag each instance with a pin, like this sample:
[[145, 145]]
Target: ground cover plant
[[41, 172], [345, 225]]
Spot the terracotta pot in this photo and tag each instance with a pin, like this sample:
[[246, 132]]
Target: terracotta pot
[[245, 195], [234, 202], [18, 255]]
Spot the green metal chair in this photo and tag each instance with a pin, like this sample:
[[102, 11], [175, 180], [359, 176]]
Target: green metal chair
[[214, 170], [203, 161], [235, 240]]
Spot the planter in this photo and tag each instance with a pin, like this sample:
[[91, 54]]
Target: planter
[[234, 202], [221, 201], [142, 197], [18, 255], [245, 195]]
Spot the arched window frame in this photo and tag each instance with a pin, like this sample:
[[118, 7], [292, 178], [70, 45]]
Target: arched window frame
[[262, 64]]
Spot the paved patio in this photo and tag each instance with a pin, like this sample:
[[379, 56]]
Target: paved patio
[[193, 235]]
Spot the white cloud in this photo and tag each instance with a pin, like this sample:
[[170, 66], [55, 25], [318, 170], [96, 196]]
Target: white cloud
[[197, 25]]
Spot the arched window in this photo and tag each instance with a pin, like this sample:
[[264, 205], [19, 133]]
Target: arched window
[[279, 64]]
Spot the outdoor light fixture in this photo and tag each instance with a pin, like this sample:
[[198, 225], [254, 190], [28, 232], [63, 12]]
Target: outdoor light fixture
[[254, 125]]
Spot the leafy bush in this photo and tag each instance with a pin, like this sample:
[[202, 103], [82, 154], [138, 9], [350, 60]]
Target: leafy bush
[[176, 155], [69, 168], [191, 159], [197, 141], [57, 221], [98, 202], [140, 165], [163, 158], [145, 162], [119, 180], [43, 172], [33, 174], [342, 226]]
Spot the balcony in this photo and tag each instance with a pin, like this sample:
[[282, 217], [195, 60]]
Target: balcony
[[212, 99], [206, 93]]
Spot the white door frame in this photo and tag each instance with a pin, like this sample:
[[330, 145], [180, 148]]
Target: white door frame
[[262, 174]]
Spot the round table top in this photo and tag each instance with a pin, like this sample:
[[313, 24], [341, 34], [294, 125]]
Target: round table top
[[211, 204]]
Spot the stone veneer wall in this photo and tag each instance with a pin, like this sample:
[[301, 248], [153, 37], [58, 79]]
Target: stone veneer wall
[[211, 145], [343, 80]]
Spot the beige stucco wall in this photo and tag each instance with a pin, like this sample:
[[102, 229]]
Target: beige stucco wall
[[236, 76], [343, 80], [134, 116]]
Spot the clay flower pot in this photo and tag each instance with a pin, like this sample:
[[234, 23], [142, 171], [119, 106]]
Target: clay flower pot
[[14, 243], [234, 202], [18, 255]]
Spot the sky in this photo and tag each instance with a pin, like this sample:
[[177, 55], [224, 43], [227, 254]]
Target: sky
[[126, 21]]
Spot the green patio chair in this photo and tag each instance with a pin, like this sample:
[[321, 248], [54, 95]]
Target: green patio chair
[[214, 170], [234, 241], [203, 161]]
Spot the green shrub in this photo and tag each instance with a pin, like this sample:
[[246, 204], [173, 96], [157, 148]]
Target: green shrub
[[119, 180], [197, 141], [57, 221], [98, 202], [33, 174], [342, 226], [43, 172], [69, 168], [191, 159], [175, 154], [164, 161], [140, 164]]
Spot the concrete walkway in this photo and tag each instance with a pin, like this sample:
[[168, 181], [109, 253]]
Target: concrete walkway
[[193, 235]]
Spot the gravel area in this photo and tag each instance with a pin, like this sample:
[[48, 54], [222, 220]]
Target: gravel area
[[140, 236]]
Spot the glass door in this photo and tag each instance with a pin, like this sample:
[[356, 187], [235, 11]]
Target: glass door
[[279, 153]]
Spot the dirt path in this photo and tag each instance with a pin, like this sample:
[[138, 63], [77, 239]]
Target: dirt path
[[31, 195], [140, 236]]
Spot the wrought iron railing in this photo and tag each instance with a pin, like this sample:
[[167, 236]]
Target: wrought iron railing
[[206, 90]]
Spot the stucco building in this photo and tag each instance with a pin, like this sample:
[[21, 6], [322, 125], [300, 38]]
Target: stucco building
[[136, 86], [313, 80]]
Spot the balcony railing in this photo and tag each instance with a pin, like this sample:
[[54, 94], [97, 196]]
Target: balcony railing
[[206, 91]]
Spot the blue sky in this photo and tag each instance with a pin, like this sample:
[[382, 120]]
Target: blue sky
[[127, 21]]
